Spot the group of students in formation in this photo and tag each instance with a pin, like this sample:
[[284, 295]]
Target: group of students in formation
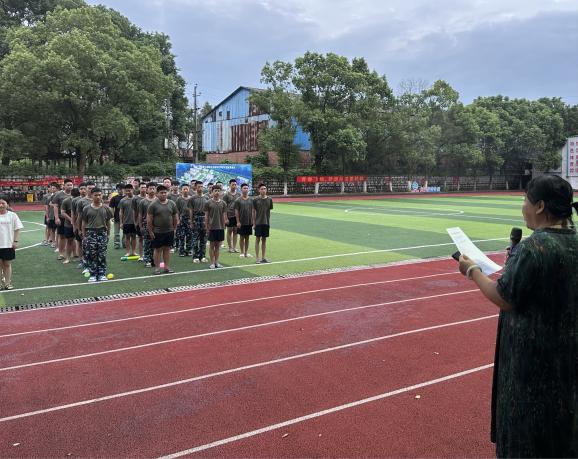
[[155, 220]]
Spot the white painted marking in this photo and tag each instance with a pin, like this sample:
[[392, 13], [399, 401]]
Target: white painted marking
[[299, 260], [317, 414], [404, 212], [242, 368], [33, 223], [231, 330], [30, 231], [28, 247], [228, 303]]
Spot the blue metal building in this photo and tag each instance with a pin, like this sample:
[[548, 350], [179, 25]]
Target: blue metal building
[[234, 125]]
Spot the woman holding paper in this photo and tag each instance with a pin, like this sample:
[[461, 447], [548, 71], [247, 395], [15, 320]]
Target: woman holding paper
[[535, 387]]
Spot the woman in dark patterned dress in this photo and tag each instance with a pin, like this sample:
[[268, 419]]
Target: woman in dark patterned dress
[[535, 388]]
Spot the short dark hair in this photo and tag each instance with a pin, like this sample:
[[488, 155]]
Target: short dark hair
[[152, 184], [119, 186], [185, 185], [75, 192], [90, 183], [96, 190], [556, 193], [55, 184], [244, 184], [210, 183], [128, 186], [217, 187], [262, 184], [146, 180], [174, 182], [198, 182], [167, 178], [67, 180], [81, 184], [161, 188], [232, 180], [5, 198]]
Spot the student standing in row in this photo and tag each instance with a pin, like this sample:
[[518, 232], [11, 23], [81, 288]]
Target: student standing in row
[[184, 232], [113, 203], [262, 206], [126, 217], [162, 219], [197, 211], [230, 197], [68, 229], [244, 218], [143, 206], [56, 204], [10, 226], [142, 188], [215, 221], [96, 230]]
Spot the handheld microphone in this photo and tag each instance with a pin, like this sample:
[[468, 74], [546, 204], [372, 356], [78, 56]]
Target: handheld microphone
[[515, 238]]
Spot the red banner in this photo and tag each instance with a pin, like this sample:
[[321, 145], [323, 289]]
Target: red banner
[[38, 182], [331, 179]]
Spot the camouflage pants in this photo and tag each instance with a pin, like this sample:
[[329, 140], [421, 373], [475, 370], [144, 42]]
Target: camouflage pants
[[199, 237], [146, 244], [184, 235], [95, 254]]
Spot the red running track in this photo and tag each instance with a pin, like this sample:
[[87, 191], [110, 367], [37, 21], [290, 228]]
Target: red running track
[[307, 367]]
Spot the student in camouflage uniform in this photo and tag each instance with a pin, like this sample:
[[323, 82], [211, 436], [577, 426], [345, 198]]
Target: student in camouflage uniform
[[184, 231], [80, 205], [143, 206], [96, 229], [197, 212], [535, 385]]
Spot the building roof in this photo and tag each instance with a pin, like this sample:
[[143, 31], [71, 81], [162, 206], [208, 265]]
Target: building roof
[[240, 88]]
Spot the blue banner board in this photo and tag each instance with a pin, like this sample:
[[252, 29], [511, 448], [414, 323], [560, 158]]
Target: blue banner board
[[207, 173]]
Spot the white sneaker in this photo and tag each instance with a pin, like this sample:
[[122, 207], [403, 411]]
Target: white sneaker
[[92, 279], [196, 260], [148, 265], [212, 266], [101, 278], [204, 260], [242, 256], [172, 250], [218, 265], [248, 255]]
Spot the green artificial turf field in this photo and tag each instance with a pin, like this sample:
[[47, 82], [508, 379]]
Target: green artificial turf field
[[305, 236]]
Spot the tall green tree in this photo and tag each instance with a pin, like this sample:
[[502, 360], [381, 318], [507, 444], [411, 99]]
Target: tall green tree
[[76, 81]]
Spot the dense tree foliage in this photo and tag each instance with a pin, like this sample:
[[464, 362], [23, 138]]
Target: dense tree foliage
[[83, 82], [356, 124]]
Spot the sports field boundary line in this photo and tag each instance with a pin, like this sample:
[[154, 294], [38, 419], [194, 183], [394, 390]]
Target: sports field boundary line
[[325, 412], [245, 367], [20, 308], [236, 329], [228, 303]]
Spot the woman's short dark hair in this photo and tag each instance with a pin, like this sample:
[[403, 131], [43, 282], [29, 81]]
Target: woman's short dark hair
[[556, 193], [5, 197]]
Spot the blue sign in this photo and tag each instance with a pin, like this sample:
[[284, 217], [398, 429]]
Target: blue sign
[[206, 173]]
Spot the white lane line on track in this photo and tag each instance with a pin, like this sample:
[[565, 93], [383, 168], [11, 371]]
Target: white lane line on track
[[317, 414], [228, 303], [404, 212], [242, 368], [231, 330], [324, 257], [33, 223]]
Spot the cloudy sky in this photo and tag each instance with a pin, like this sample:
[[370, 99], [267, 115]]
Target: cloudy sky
[[518, 48]]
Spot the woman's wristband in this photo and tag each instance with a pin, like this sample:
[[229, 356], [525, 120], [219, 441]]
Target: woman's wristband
[[470, 269]]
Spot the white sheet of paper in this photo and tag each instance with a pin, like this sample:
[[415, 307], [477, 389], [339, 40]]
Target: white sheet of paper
[[467, 247]]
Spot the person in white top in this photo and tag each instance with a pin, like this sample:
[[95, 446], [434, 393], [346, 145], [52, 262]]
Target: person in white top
[[10, 226]]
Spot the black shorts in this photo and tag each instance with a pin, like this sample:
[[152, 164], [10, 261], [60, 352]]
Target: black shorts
[[68, 232], [216, 235], [7, 254], [128, 229], [232, 222], [138, 232], [245, 230], [78, 236], [51, 224], [45, 221], [60, 228], [163, 240], [262, 230]]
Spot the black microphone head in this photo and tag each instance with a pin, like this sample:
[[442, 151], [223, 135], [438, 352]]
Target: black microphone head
[[516, 235]]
